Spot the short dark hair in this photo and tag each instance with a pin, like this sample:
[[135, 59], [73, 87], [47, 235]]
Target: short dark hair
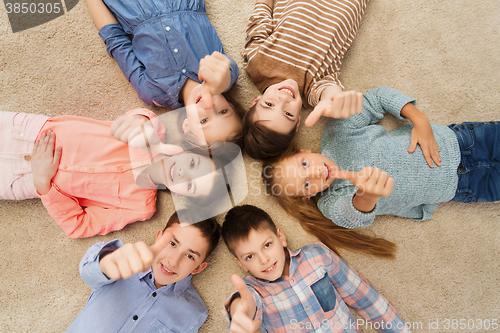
[[240, 220], [209, 228], [262, 143]]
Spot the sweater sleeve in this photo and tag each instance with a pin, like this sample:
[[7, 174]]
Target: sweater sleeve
[[258, 30], [79, 222], [376, 103], [336, 205]]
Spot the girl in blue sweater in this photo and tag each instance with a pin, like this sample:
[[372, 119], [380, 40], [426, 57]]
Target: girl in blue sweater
[[364, 170]]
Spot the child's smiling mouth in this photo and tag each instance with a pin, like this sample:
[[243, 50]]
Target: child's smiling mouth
[[167, 271], [288, 90], [270, 269], [328, 171], [172, 172]]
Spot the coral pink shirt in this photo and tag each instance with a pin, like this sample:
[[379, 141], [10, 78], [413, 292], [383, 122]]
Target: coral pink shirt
[[94, 190]]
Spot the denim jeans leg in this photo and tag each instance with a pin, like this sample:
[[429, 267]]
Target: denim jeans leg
[[479, 169]]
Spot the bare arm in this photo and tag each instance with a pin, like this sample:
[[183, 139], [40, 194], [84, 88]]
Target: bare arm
[[270, 3], [100, 13]]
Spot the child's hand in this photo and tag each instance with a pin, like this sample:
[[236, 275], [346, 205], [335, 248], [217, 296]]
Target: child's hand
[[132, 258], [214, 72], [341, 105], [372, 183], [423, 135], [138, 132], [45, 161], [243, 309]]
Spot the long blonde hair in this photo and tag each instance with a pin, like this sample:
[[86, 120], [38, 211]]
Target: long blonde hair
[[314, 222]]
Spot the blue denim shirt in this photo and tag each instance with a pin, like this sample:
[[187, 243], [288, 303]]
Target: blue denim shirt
[[169, 39], [135, 305]]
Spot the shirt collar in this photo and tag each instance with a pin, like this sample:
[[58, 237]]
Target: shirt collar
[[178, 287]]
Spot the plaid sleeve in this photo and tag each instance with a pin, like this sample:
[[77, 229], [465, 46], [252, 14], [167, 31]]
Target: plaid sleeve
[[358, 293]]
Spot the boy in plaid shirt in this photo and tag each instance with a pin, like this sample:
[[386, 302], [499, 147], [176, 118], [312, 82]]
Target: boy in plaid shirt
[[307, 290]]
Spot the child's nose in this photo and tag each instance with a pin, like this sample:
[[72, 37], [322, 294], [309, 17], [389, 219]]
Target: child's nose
[[174, 259], [316, 172], [264, 258]]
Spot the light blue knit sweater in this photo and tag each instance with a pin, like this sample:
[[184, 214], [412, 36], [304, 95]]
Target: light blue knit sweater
[[356, 142]]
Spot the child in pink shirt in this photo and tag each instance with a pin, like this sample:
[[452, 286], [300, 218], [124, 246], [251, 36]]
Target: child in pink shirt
[[90, 182]]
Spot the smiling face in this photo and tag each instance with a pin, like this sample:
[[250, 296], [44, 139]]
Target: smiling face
[[262, 254], [278, 108], [188, 174], [185, 254], [305, 174], [216, 124]]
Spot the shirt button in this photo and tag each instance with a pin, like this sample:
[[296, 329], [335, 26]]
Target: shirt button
[[120, 169], [27, 158], [175, 50], [65, 167], [150, 276], [307, 308], [21, 175], [91, 169], [21, 134], [167, 28], [154, 294], [292, 281], [135, 317], [183, 71]]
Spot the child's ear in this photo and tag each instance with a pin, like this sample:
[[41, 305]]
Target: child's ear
[[185, 126], [255, 101], [158, 235], [239, 263], [200, 267], [282, 237], [305, 150]]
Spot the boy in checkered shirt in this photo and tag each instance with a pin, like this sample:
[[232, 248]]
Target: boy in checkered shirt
[[307, 290]]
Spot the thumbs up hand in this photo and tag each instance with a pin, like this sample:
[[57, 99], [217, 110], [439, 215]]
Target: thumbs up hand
[[243, 309]]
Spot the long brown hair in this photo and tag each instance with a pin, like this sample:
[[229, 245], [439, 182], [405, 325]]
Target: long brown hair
[[314, 222]]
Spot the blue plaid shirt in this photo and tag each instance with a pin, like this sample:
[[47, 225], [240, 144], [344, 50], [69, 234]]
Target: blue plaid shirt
[[135, 305], [315, 295], [169, 39]]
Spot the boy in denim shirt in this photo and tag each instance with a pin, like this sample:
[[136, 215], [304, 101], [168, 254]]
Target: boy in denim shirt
[[141, 288], [307, 290]]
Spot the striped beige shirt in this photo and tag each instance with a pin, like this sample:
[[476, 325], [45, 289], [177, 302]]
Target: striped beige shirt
[[304, 40]]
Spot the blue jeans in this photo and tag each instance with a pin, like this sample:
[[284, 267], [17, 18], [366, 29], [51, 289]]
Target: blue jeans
[[479, 169]]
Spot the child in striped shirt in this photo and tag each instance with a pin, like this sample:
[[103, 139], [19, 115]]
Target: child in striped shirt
[[307, 290], [293, 54]]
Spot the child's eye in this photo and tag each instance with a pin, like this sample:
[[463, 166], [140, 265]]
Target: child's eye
[[189, 185], [288, 114], [304, 163], [268, 244], [192, 163], [269, 104], [306, 184], [249, 257], [203, 121], [190, 257], [172, 243], [223, 111]]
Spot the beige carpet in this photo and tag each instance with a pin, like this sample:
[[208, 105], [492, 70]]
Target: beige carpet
[[445, 53]]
